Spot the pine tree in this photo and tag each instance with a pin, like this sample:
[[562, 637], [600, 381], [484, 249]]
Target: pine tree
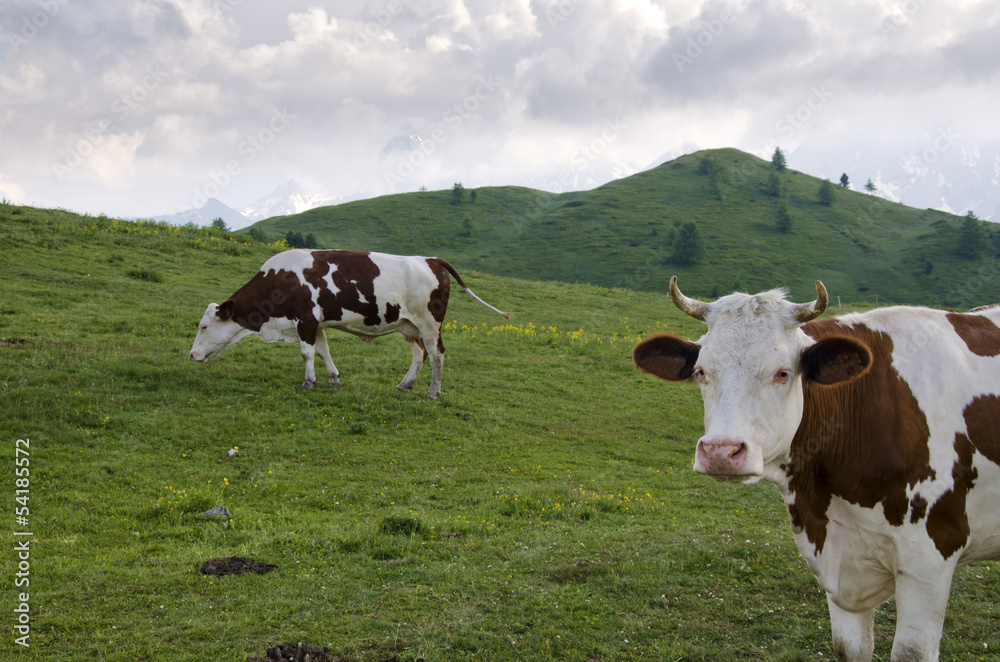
[[783, 219], [973, 237], [825, 193], [689, 247], [778, 160], [773, 186], [844, 181], [870, 186]]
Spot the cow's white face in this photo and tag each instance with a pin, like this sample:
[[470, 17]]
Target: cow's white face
[[215, 333], [750, 366], [752, 393]]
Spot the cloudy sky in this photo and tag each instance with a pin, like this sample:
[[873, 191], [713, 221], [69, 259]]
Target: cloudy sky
[[143, 107]]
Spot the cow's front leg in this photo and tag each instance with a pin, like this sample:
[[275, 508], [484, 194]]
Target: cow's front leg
[[921, 601], [324, 352], [853, 633], [308, 352]]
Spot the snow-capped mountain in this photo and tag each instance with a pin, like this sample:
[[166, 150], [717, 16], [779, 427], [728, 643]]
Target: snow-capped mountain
[[289, 198], [946, 174], [207, 213]]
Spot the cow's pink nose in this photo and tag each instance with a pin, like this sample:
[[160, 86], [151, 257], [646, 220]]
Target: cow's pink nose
[[721, 456]]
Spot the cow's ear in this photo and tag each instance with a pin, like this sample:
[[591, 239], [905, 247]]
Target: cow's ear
[[226, 310], [666, 356], [834, 360]]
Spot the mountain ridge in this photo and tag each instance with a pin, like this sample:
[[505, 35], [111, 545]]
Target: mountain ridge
[[622, 234]]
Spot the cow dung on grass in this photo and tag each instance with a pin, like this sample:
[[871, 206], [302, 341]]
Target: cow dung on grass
[[235, 565]]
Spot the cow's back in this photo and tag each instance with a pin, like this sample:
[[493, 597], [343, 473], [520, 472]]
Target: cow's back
[[366, 293]]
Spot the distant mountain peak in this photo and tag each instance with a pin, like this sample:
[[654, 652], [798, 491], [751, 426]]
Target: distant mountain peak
[[289, 198], [204, 215]]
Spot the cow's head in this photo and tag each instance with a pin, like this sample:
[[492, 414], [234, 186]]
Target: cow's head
[[750, 365], [216, 331]]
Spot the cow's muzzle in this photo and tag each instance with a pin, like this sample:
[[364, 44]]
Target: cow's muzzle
[[722, 458]]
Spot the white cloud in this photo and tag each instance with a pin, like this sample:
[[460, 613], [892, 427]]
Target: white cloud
[[183, 84]]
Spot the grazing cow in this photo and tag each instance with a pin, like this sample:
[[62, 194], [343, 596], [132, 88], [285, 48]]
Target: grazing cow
[[881, 430], [299, 293]]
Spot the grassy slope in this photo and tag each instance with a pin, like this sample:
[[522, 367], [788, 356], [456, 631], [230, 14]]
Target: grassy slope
[[617, 235], [542, 509]]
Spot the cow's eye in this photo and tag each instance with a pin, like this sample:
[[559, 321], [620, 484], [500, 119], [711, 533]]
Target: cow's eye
[[699, 374], [782, 376]]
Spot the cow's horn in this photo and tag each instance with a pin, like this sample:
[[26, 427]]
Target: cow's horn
[[693, 307], [810, 311]]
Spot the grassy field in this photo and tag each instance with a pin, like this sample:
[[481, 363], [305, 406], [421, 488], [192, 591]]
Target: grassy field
[[864, 248], [543, 508]]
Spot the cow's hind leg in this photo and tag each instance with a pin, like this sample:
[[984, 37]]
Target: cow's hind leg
[[324, 352], [435, 354], [853, 634], [412, 336]]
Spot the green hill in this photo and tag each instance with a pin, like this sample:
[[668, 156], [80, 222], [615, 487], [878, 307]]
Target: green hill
[[623, 234]]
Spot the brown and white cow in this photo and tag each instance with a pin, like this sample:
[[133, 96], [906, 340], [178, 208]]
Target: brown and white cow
[[881, 430], [299, 293]]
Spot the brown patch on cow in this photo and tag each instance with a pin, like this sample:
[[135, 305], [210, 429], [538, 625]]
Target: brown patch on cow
[[918, 508], [979, 333], [280, 293], [948, 520], [392, 312], [438, 303], [354, 278], [982, 422], [269, 294], [864, 440]]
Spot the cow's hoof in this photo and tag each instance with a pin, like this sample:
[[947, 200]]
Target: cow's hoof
[[431, 396], [334, 382], [404, 388], [307, 385]]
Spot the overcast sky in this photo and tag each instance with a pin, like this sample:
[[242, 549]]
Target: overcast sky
[[144, 107]]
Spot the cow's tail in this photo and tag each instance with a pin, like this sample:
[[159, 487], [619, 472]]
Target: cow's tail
[[472, 294]]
